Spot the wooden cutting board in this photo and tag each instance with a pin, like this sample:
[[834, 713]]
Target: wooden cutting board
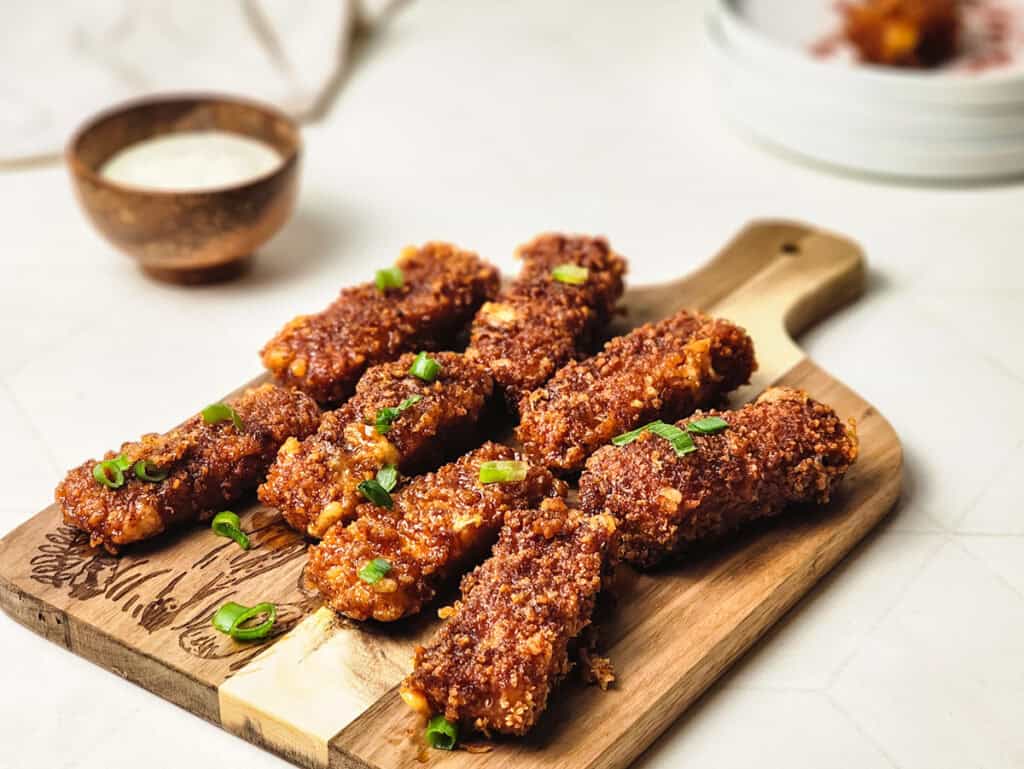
[[325, 692]]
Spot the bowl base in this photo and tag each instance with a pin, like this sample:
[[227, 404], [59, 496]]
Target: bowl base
[[194, 276]]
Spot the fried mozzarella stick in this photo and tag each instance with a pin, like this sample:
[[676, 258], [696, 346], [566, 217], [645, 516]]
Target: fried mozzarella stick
[[783, 449], [187, 474], [394, 418], [662, 370], [564, 295], [440, 525], [506, 645], [440, 288]]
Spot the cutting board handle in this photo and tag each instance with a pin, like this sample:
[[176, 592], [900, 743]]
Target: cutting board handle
[[805, 278]]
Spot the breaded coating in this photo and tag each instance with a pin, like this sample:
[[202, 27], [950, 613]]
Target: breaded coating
[[662, 370], [441, 524], [904, 33], [208, 466], [538, 324], [314, 482], [325, 354], [506, 645], [784, 449]]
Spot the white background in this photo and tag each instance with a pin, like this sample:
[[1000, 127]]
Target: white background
[[486, 127]]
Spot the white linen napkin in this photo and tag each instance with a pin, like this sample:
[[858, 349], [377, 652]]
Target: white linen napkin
[[62, 61]]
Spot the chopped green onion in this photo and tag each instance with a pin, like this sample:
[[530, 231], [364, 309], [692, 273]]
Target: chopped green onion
[[374, 571], [226, 616], [121, 462], [572, 274], [679, 438], [707, 426], [442, 733], [632, 435], [147, 471], [376, 493], [226, 524], [681, 441], [503, 471], [108, 473], [231, 618], [387, 415], [222, 412], [424, 367], [389, 278], [387, 477]]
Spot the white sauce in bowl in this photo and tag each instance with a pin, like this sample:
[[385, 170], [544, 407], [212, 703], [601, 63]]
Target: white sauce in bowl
[[191, 161]]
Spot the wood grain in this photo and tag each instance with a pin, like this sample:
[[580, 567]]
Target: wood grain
[[324, 694]]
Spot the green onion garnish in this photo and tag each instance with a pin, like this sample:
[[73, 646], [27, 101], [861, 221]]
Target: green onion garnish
[[503, 471], [679, 438], [109, 473], [147, 471], [231, 618], [425, 368], [376, 493], [632, 435], [222, 412], [572, 274], [386, 416], [374, 571], [707, 425], [389, 278], [442, 733], [226, 524], [121, 462], [387, 477]]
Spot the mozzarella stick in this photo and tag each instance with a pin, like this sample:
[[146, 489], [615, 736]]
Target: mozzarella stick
[[506, 644], [440, 288], [564, 296], [187, 474], [662, 370], [394, 419], [782, 450], [387, 564]]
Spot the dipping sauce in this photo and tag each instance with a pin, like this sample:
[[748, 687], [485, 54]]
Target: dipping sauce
[[190, 161]]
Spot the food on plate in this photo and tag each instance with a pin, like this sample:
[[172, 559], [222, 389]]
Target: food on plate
[[408, 415], [564, 295], [661, 370], [388, 563], [187, 474], [506, 644], [672, 485], [904, 33], [422, 303]]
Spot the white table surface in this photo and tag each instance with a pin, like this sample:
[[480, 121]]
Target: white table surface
[[485, 127]]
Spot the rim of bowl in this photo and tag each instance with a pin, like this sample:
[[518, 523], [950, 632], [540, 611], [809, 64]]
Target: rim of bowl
[[79, 167], [998, 87]]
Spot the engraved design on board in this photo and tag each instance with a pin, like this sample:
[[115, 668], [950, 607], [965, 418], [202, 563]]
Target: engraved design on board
[[181, 600]]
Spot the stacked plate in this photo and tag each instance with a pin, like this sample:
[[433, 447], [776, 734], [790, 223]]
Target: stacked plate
[[784, 74]]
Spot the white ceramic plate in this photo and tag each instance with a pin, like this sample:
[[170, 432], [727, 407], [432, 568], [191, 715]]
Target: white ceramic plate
[[947, 124]]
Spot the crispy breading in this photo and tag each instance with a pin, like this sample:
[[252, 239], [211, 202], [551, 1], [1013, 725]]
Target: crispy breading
[[662, 370], [440, 525], [208, 468], [314, 482], [538, 324], [492, 665], [325, 354], [784, 449]]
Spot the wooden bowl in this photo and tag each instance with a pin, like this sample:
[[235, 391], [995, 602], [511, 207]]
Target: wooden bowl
[[188, 236]]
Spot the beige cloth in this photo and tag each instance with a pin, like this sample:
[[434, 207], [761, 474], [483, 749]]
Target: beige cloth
[[63, 61]]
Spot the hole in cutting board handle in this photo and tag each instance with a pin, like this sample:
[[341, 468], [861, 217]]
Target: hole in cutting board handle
[[789, 247]]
